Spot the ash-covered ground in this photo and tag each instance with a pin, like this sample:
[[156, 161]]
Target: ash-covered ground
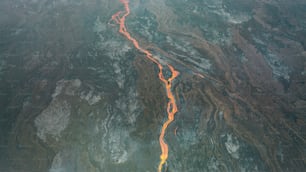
[[76, 96]]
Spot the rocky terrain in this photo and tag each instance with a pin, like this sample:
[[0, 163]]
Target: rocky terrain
[[76, 96]]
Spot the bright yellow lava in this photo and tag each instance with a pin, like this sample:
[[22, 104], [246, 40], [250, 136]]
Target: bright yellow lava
[[119, 18]]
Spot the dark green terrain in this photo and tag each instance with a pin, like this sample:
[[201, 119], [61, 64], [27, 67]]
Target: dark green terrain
[[76, 96]]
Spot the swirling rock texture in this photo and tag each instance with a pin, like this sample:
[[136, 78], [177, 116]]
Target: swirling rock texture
[[76, 96]]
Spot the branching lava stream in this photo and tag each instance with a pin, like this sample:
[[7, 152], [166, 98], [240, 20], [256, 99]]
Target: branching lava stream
[[119, 18]]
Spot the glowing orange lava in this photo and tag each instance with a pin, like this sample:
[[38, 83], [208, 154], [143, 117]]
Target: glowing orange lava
[[119, 18]]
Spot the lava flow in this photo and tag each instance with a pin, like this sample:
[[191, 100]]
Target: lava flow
[[119, 18]]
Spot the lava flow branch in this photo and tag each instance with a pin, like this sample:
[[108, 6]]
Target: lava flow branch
[[119, 18]]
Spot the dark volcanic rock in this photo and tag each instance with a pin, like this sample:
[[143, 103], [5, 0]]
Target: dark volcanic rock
[[75, 95]]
